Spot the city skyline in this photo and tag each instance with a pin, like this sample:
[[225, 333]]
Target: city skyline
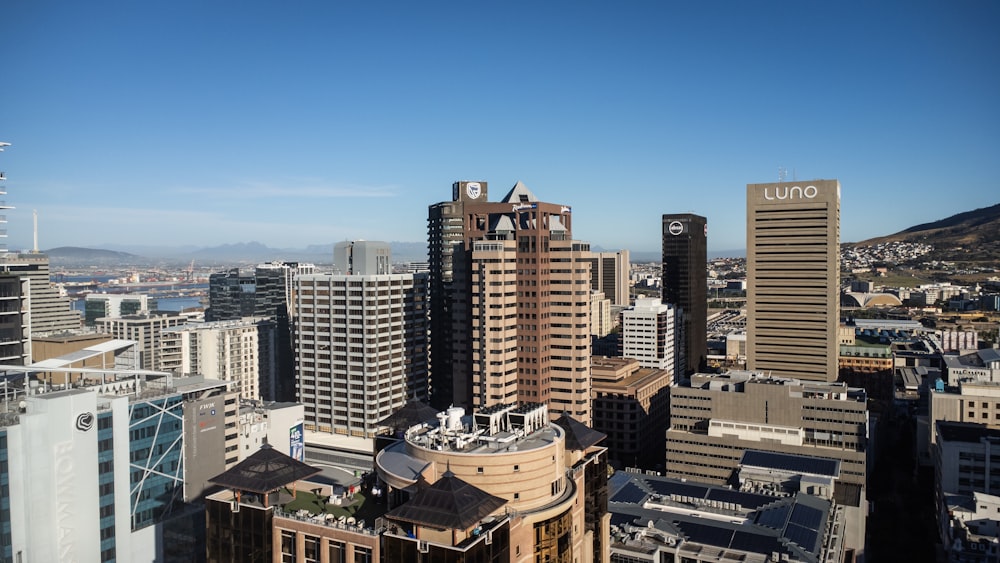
[[203, 125]]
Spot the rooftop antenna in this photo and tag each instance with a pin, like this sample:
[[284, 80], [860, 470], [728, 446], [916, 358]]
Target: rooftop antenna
[[34, 216], [782, 174]]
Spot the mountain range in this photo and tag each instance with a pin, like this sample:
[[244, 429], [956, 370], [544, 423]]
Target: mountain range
[[972, 236]]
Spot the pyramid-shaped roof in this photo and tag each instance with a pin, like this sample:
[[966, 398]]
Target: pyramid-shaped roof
[[578, 436], [414, 412], [265, 471], [519, 194], [450, 503]]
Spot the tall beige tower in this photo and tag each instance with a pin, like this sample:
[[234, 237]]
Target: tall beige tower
[[522, 307], [793, 278]]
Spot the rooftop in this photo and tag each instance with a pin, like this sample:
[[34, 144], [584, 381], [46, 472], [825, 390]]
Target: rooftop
[[690, 517]]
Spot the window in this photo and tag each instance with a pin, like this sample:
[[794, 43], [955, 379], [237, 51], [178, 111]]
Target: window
[[287, 546], [311, 549], [362, 554], [338, 552]]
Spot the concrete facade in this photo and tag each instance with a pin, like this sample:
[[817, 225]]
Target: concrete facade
[[793, 278], [609, 273], [360, 348], [520, 307], [717, 417]]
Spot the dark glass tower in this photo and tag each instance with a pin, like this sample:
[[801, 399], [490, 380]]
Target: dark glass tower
[[685, 282]]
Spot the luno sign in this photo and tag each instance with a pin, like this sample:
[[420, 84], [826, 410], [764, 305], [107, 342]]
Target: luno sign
[[792, 192]]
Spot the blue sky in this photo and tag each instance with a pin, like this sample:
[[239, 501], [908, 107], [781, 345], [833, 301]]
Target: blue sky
[[296, 123]]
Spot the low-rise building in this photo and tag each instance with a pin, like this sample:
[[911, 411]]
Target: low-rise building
[[630, 407], [656, 519], [715, 418]]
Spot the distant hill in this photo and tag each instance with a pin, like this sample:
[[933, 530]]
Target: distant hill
[[972, 236], [73, 254]]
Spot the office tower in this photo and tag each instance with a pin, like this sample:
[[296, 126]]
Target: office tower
[[147, 330], [446, 235], [50, 312], [685, 282], [3, 205], [109, 469], [649, 334], [552, 475], [240, 351], [15, 320], [715, 418], [266, 291], [360, 348], [609, 273], [601, 322], [98, 305], [365, 257], [624, 390], [793, 278], [520, 305]]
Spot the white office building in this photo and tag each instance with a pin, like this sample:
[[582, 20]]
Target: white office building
[[360, 348], [649, 334]]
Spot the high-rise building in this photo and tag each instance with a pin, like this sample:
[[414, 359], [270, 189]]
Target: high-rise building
[[793, 278], [15, 320], [446, 235], [362, 257], [520, 306], [146, 330], [111, 467], [649, 334], [685, 282], [98, 305], [266, 291], [241, 351], [609, 273], [50, 312], [360, 348]]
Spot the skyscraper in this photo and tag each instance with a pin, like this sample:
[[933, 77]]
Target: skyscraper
[[446, 237], [685, 282], [367, 257], [793, 278], [609, 274], [360, 348], [520, 306], [648, 334]]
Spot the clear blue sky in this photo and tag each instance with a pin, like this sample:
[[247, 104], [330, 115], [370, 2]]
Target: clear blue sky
[[296, 123]]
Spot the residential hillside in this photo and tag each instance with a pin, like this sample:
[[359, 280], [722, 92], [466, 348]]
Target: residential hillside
[[972, 236]]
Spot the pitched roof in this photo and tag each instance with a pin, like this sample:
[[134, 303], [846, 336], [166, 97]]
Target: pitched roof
[[578, 435], [412, 413], [450, 503], [265, 471], [519, 194]]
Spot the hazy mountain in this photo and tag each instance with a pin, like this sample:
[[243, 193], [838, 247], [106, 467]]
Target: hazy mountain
[[74, 254]]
